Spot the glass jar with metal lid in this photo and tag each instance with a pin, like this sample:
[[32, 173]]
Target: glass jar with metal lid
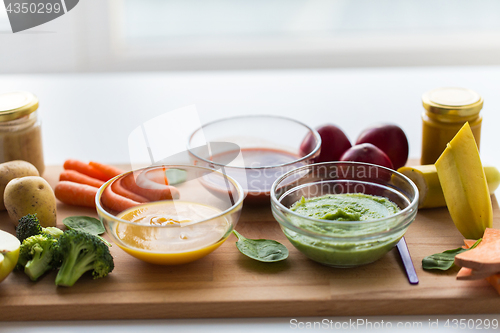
[[20, 129], [446, 111]]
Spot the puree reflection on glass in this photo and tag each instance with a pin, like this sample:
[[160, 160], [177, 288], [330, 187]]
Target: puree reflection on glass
[[344, 244], [180, 240], [260, 170]]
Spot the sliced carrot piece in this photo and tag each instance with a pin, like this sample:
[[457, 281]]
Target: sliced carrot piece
[[494, 279], [77, 177], [76, 194], [86, 169], [486, 256], [470, 274], [469, 243]]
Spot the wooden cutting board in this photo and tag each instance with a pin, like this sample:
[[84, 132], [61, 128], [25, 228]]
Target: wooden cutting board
[[228, 284]]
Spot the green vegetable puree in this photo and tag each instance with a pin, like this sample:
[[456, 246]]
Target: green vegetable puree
[[350, 247], [346, 207]]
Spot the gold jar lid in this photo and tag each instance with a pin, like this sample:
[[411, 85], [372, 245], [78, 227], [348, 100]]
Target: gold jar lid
[[17, 104], [453, 103]]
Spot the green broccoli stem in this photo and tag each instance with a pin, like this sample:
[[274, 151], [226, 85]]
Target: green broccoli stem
[[73, 267], [40, 263]]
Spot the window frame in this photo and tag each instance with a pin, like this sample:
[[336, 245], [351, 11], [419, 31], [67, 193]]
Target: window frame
[[396, 49]]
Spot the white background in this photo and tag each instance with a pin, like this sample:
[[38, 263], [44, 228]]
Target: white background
[[139, 35]]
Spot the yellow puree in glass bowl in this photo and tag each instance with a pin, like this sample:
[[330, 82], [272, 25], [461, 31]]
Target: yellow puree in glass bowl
[[179, 242]]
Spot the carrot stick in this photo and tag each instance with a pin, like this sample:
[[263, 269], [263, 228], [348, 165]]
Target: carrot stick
[[85, 169], [115, 201], [108, 170], [77, 177], [149, 189], [118, 188], [76, 194]]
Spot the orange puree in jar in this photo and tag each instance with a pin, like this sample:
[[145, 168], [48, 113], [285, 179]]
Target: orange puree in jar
[[446, 111], [171, 232]]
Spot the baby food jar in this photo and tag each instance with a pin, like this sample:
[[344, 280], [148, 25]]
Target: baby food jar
[[20, 129], [446, 111]]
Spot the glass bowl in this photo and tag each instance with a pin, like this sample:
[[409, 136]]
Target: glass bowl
[[258, 150], [343, 243], [172, 225]]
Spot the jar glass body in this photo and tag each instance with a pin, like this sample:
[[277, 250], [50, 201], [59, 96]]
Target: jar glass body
[[21, 139], [437, 132]]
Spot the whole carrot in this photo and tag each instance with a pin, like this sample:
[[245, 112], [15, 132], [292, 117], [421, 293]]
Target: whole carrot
[[115, 201], [85, 169], [109, 170], [118, 188], [77, 177], [149, 189], [76, 194]]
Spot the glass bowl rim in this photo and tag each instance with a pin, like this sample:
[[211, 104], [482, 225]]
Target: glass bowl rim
[[235, 206], [275, 203], [311, 154]]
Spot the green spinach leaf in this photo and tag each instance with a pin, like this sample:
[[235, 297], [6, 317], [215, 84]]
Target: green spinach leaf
[[444, 260], [264, 250], [86, 224]]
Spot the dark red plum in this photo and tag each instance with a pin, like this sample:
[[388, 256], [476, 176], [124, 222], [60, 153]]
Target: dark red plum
[[368, 153], [333, 143], [391, 139]]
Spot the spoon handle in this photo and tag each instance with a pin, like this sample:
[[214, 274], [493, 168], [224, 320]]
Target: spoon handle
[[407, 263]]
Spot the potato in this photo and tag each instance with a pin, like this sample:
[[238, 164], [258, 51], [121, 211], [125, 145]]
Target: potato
[[11, 170], [30, 195]]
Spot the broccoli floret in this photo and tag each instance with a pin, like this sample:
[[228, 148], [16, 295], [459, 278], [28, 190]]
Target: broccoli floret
[[52, 231], [82, 252], [38, 254], [28, 226]]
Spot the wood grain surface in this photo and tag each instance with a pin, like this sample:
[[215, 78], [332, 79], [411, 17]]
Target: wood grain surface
[[228, 284]]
